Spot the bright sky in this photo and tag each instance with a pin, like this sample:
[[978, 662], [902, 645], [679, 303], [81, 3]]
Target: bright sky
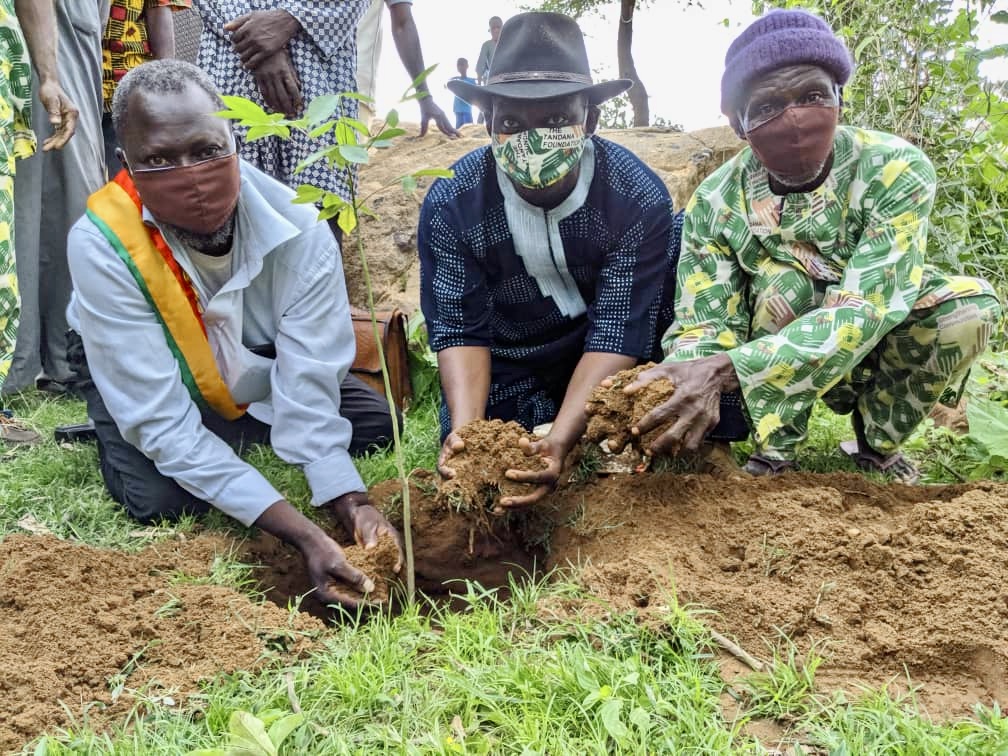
[[679, 51]]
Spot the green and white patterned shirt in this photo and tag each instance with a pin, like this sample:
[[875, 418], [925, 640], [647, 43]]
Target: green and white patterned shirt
[[859, 239]]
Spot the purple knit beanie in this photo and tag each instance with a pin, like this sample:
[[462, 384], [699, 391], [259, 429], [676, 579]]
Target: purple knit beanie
[[778, 39]]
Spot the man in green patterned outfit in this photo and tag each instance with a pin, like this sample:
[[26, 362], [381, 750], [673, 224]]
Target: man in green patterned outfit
[[17, 140], [802, 270]]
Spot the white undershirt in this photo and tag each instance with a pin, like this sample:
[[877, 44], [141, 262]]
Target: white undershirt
[[212, 272]]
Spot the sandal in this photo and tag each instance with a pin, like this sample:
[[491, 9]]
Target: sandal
[[894, 465], [761, 465], [15, 432]]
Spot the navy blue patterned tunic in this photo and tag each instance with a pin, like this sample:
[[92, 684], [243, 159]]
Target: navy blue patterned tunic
[[596, 274]]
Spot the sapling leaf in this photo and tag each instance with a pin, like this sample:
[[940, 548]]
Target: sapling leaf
[[409, 184], [354, 153], [357, 126], [347, 220], [241, 108], [381, 144], [344, 133], [308, 195], [436, 172], [391, 133], [988, 423], [420, 79], [311, 160], [322, 129], [321, 108], [261, 132], [392, 119]]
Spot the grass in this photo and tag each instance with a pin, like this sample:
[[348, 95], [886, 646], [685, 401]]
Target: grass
[[493, 677]]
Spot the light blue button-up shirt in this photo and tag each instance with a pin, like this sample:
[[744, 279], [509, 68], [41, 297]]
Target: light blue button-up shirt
[[287, 289]]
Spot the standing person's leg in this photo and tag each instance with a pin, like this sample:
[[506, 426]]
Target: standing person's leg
[[51, 195]]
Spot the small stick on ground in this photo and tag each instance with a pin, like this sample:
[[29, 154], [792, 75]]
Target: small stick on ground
[[291, 694], [737, 651]]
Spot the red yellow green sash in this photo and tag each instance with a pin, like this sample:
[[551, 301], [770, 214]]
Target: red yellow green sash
[[115, 210]]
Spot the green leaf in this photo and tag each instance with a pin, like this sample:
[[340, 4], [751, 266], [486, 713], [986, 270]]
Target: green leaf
[[248, 734], [280, 729], [1001, 17], [437, 172], [392, 119], [204, 752], [610, 714], [347, 220], [641, 719], [307, 194], [267, 130], [988, 422], [354, 153], [321, 108], [322, 129], [357, 126], [409, 184], [391, 133], [240, 108]]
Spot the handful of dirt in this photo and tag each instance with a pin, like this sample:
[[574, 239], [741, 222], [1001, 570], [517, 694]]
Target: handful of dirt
[[611, 413], [378, 564], [491, 449]]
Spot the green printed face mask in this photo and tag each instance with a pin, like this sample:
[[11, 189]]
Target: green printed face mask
[[539, 158]]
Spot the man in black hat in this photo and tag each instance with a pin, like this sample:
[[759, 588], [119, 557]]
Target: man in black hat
[[547, 262]]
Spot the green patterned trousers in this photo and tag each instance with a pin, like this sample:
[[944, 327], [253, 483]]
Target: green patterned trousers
[[10, 303], [919, 363]]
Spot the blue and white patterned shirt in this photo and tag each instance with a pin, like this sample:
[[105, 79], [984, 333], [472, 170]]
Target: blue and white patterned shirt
[[596, 274], [324, 54]]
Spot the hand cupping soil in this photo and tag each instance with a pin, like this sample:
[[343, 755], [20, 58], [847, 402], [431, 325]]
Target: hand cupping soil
[[612, 413], [491, 449], [377, 563]]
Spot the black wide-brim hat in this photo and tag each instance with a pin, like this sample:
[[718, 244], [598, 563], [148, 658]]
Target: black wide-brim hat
[[539, 56]]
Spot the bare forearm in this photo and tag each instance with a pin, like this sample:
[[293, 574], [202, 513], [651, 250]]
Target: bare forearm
[[38, 22], [591, 370], [465, 377], [161, 31], [407, 41], [289, 525]]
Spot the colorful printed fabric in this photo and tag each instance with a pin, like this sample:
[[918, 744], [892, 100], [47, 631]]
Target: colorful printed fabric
[[16, 141], [539, 157], [125, 45], [810, 290]]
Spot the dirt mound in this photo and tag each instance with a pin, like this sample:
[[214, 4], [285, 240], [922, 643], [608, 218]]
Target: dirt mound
[[888, 581], [82, 628], [611, 413], [491, 449]]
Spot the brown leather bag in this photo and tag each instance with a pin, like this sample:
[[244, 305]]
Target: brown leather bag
[[367, 366]]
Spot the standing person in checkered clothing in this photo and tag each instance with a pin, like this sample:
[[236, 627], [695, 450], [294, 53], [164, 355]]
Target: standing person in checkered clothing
[[285, 55]]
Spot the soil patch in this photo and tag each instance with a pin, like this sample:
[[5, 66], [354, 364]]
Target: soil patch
[[887, 581], [491, 449], [449, 547], [82, 628], [611, 413]]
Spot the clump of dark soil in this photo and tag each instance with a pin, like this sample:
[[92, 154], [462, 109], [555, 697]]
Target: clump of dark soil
[[379, 564], [491, 449], [82, 628], [611, 413], [888, 581]]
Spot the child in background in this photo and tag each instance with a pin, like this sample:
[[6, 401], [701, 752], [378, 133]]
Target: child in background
[[463, 110]]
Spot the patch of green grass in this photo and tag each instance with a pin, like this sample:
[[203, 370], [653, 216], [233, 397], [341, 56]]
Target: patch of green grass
[[784, 691], [490, 679]]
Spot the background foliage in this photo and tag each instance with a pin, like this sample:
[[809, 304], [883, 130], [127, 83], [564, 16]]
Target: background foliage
[[918, 76]]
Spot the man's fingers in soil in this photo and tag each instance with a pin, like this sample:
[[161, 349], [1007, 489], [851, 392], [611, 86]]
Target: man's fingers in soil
[[348, 574], [519, 502], [528, 446]]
